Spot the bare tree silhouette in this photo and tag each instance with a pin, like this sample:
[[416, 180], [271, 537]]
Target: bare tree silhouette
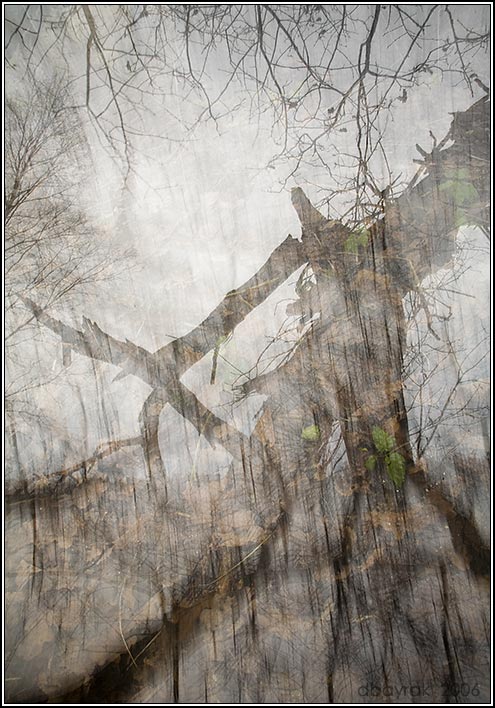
[[329, 558]]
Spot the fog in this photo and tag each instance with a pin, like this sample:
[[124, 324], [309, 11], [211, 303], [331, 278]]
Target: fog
[[182, 209]]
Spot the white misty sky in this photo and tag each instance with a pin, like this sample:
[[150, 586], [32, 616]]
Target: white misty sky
[[202, 216]]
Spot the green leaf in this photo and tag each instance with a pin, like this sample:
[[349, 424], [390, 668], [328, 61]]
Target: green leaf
[[383, 441], [351, 245], [370, 463], [311, 433], [359, 237], [447, 186], [461, 175], [396, 468], [362, 236], [465, 192], [460, 191]]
